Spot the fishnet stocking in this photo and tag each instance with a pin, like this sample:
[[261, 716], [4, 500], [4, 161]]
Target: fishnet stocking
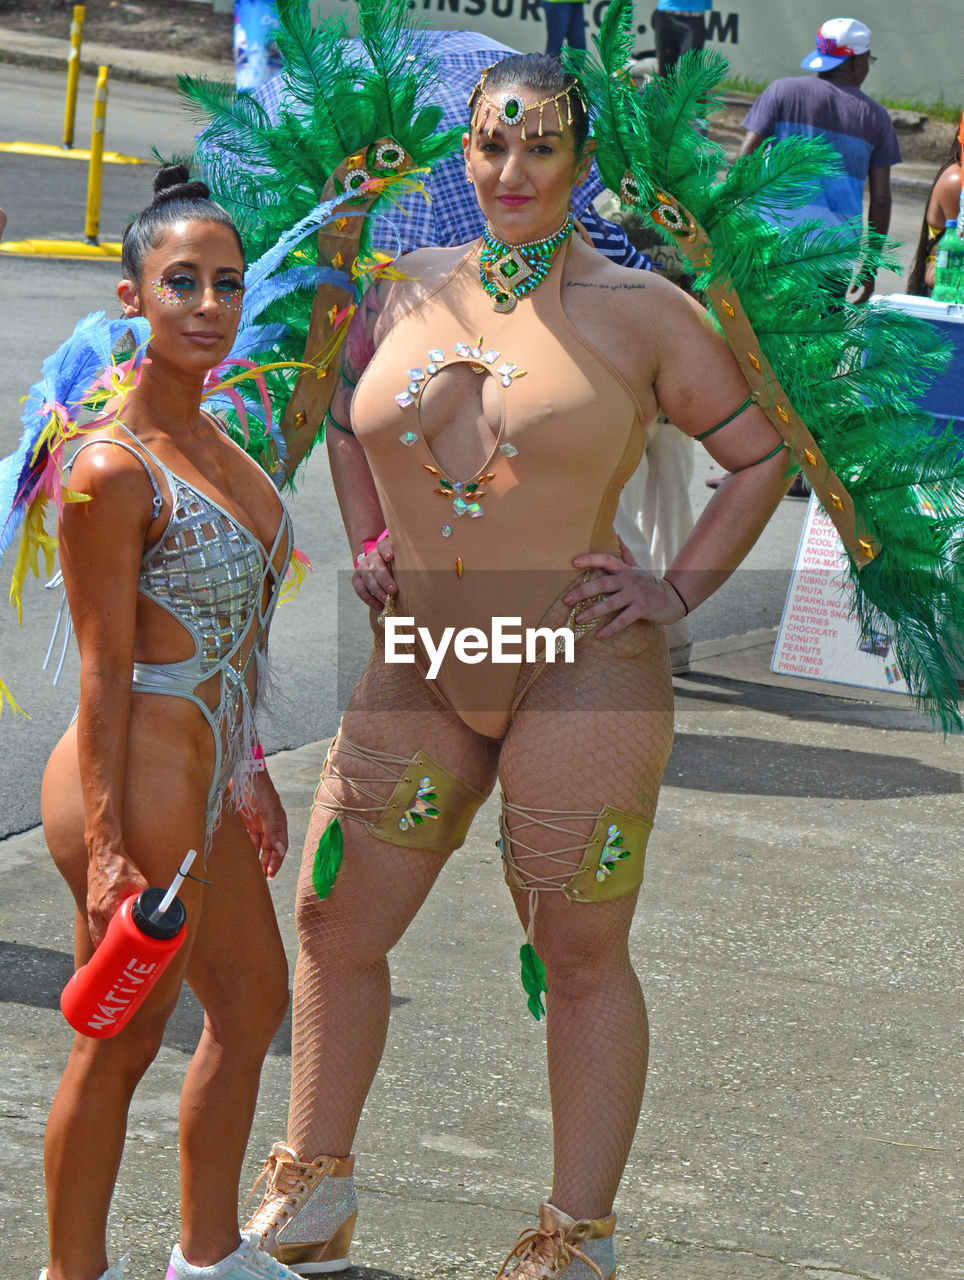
[[594, 733], [342, 991], [587, 734]]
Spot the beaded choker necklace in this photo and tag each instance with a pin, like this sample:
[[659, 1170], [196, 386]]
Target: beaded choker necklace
[[509, 272]]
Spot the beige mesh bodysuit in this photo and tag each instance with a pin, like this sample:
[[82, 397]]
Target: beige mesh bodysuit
[[498, 444], [555, 432]]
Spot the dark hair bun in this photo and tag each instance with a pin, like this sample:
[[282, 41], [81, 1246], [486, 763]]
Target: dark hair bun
[[173, 182]]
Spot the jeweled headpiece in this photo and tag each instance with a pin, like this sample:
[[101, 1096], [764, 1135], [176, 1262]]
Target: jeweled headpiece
[[513, 110]]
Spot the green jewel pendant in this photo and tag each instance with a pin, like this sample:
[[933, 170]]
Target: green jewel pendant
[[508, 272]]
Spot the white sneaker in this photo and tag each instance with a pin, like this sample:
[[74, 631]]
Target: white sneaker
[[247, 1262]]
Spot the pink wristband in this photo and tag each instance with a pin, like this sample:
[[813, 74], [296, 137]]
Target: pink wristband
[[371, 543]]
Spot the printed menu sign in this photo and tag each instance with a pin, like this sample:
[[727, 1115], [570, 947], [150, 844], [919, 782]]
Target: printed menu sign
[[817, 638]]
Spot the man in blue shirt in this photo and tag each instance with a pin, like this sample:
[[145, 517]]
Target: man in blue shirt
[[832, 106], [679, 25]]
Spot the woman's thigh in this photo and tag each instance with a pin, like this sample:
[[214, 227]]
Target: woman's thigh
[[237, 966], [163, 815], [391, 718], [595, 731], [582, 762]]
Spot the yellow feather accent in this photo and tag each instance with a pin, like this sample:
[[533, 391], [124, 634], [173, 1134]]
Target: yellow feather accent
[[6, 695], [33, 539], [254, 373], [328, 352], [298, 570], [72, 495]]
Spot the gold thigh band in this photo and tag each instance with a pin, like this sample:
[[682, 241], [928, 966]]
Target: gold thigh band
[[612, 862], [430, 808]]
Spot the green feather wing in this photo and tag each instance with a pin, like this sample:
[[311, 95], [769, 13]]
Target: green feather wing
[[853, 374], [339, 99]]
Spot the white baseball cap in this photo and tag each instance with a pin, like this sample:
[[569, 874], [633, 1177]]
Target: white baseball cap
[[837, 40]]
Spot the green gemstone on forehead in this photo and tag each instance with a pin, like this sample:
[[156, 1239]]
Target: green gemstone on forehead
[[512, 108]]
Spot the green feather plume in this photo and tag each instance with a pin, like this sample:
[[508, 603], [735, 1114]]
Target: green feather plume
[[339, 99], [533, 979], [327, 863], [852, 373]]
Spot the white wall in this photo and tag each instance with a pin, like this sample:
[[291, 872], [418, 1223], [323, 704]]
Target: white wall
[[917, 42]]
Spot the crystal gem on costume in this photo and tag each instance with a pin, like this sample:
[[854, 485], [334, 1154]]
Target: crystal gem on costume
[[628, 190], [464, 495], [356, 178], [612, 852], [669, 215], [389, 155], [419, 377], [512, 110], [422, 806]]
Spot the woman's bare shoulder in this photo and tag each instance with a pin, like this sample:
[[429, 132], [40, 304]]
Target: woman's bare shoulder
[[103, 457], [947, 191], [622, 287], [625, 305]]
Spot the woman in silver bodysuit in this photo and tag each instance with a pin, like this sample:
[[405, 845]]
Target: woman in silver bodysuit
[[172, 571]]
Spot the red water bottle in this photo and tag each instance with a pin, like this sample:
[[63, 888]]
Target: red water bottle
[[141, 940]]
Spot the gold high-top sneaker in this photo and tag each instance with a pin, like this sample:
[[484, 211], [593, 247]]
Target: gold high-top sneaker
[[307, 1215], [562, 1247]]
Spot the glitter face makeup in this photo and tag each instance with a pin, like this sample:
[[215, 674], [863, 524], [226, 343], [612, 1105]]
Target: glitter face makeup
[[182, 288]]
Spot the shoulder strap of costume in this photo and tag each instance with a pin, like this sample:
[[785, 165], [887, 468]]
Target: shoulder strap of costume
[[138, 453]]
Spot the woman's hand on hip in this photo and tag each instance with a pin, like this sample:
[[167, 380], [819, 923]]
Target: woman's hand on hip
[[631, 593]]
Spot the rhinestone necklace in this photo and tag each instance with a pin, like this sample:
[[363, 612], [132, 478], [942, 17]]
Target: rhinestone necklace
[[509, 272]]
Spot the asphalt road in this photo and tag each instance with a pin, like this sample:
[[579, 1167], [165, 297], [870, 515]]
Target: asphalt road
[[318, 642]]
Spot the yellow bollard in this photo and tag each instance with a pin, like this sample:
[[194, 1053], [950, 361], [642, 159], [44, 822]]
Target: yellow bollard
[[96, 171], [73, 73]]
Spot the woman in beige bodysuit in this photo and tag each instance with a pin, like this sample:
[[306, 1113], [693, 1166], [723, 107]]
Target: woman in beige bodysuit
[[492, 446]]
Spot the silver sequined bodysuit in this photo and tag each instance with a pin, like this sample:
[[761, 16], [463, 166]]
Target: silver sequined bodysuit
[[220, 583]]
